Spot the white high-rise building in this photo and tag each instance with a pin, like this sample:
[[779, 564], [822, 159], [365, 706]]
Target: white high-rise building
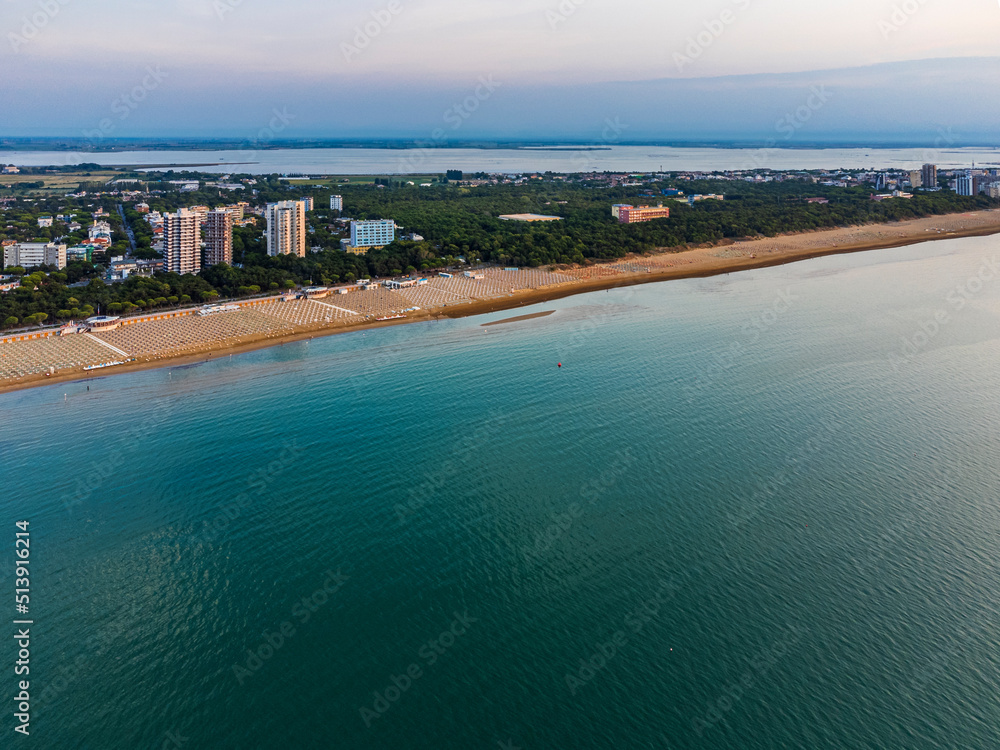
[[286, 228], [181, 242], [336, 203], [965, 185]]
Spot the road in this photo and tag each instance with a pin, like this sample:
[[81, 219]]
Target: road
[[128, 230]]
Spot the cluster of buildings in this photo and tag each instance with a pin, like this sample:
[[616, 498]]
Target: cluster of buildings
[[191, 238], [977, 181], [287, 229]]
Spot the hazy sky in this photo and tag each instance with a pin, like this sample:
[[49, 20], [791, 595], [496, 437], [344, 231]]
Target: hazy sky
[[220, 65]]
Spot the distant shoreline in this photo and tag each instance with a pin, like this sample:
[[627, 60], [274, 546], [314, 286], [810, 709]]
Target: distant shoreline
[[83, 147], [715, 260]]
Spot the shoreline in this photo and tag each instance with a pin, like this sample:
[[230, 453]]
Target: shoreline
[[701, 262]]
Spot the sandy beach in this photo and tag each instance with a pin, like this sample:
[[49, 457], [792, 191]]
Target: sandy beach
[[699, 262]]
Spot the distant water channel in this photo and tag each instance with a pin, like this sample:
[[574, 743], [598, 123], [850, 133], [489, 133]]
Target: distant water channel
[[358, 161]]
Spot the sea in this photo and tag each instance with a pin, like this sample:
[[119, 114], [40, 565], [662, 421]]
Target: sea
[[433, 158], [752, 511]]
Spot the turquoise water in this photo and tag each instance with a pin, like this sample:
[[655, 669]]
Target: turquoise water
[[743, 514]]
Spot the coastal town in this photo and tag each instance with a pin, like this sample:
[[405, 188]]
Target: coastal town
[[163, 254]]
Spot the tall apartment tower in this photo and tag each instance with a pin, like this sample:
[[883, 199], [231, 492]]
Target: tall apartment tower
[[286, 228], [929, 175], [336, 203], [219, 237], [181, 242], [965, 185]]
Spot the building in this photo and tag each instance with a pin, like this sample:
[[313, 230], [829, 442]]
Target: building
[[201, 212], [80, 252], [11, 170], [529, 217], [632, 215], [44, 221], [616, 209], [366, 235], [965, 185], [286, 228], [103, 323], [181, 242], [916, 178], [99, 233], [218, 237], [929, 176], [310, 204], [238, 210], [34, 254], [336, 203]]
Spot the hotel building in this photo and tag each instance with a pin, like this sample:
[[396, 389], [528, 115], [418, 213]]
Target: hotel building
[[929, 176], [286, 228], [366, 235], [181, 242], [336, 203], [218, 233], [34, 254], [633, 215]]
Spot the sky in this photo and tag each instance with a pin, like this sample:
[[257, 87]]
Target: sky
[[673, 69]]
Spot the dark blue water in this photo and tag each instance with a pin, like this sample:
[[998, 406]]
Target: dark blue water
[[754, 511]]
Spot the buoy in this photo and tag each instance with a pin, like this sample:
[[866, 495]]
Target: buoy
[[560, 364]]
